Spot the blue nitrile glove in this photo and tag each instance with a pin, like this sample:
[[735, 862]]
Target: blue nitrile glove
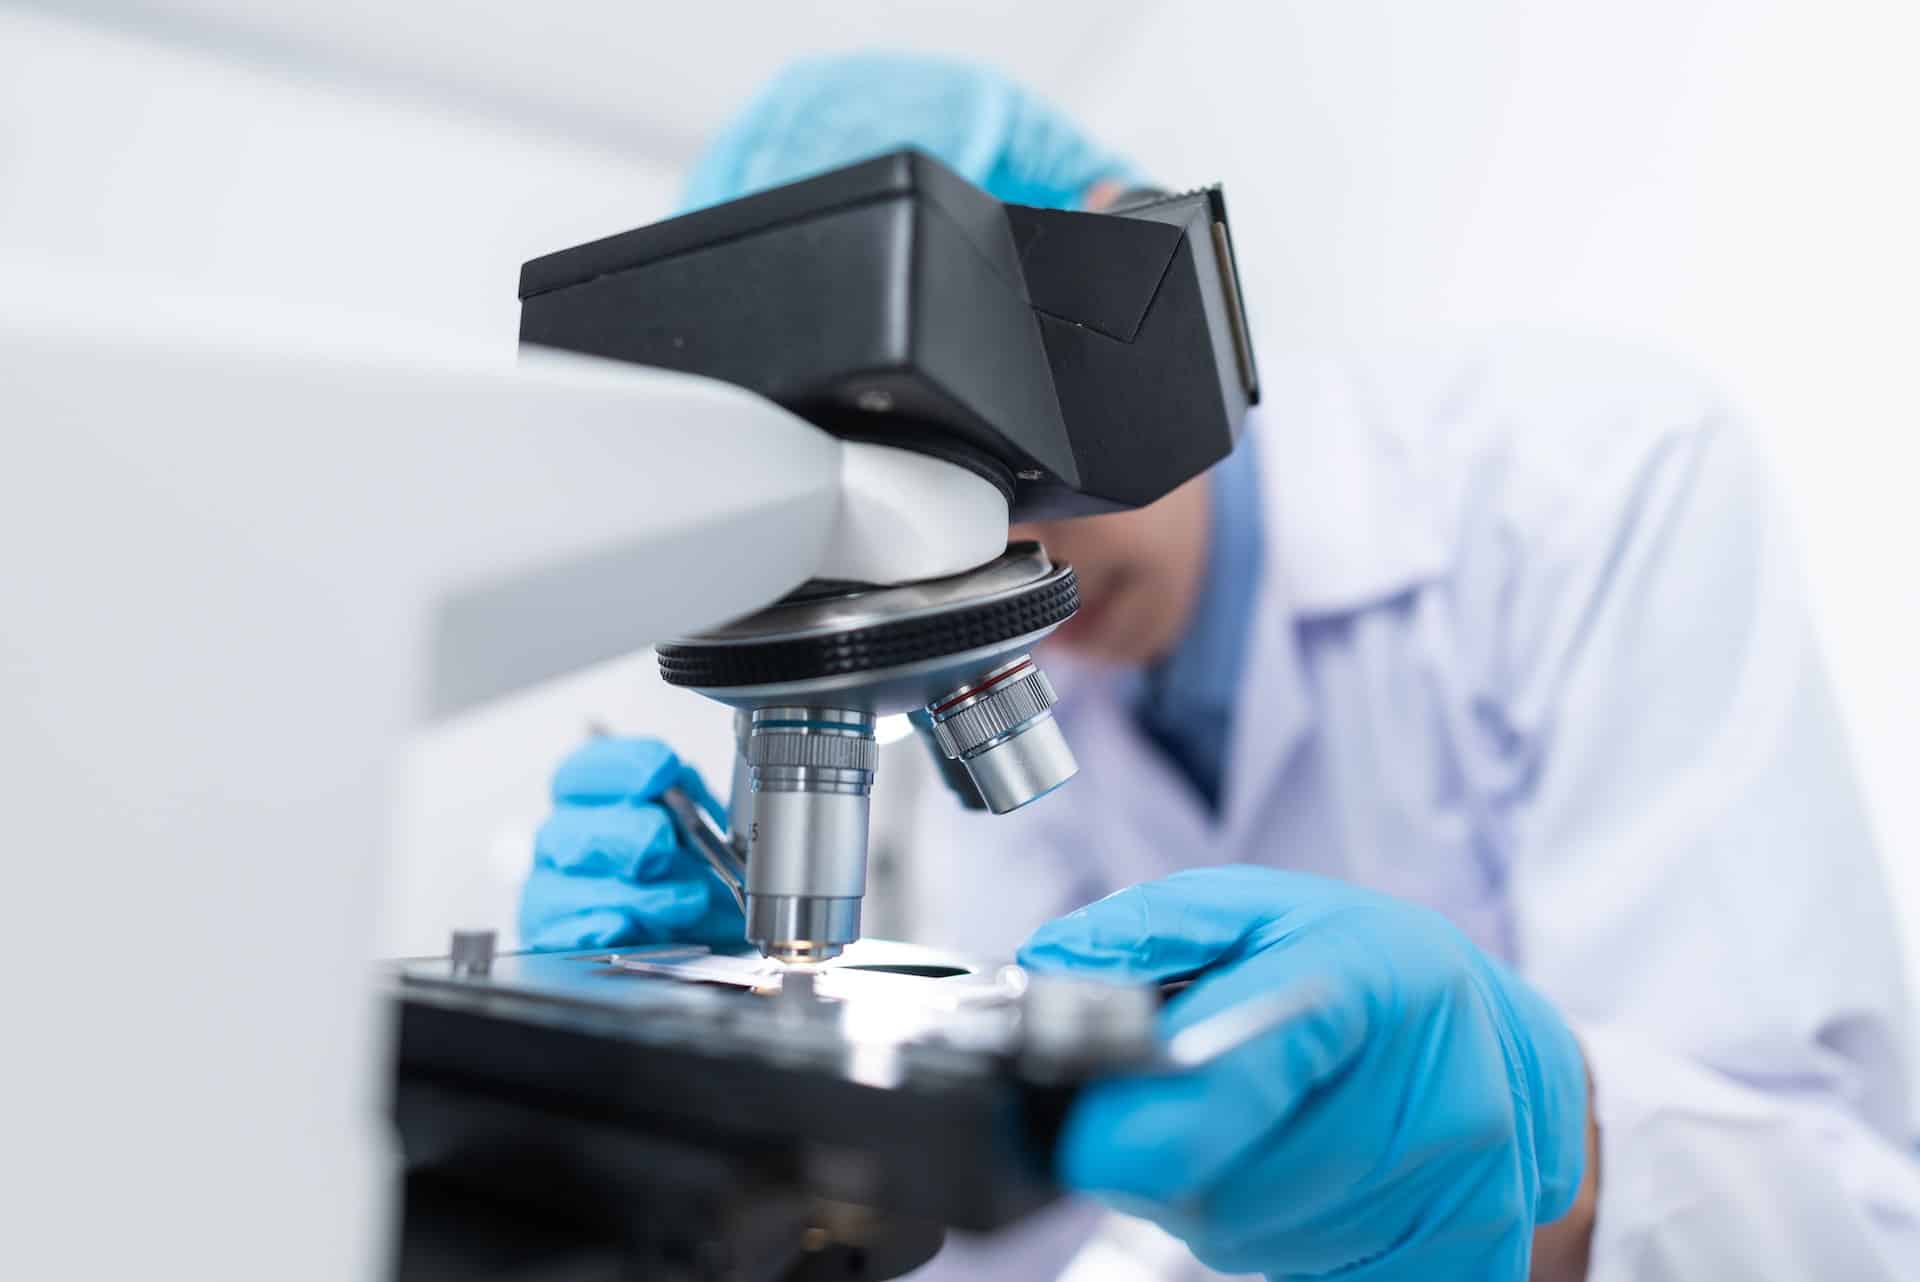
[[821, 113], [609, 867], [1417, 1125]]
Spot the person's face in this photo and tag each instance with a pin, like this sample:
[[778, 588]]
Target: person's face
[[1139, 574]]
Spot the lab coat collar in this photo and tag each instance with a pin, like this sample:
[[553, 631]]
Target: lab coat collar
[[1346, 526], [1350, 522], [1273, 714], [1273, 711]]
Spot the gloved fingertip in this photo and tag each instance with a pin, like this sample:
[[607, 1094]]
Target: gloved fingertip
[[1080, 957], [600, 928], [562, 911], [1105, 936], [615, 769], [1145, 932], [626, 842]]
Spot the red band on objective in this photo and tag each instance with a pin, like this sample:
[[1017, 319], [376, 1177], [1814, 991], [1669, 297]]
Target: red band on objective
[[971, 692]]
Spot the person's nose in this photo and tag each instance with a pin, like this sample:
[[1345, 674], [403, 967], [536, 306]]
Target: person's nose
[[1037, 531]]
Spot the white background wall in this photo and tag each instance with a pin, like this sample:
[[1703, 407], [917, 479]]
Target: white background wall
[[1731, 178]]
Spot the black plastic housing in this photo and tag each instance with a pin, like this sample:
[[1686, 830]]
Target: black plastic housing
[[1099, 360], [618, 1131]]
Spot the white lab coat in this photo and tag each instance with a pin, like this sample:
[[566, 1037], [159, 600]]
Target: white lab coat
[[1531, 648]]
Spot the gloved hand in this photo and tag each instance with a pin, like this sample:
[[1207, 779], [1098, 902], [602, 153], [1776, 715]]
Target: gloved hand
[[1416, 1125], [610, 868], [820, 113]]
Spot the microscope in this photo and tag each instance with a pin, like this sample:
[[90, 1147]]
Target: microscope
[[1016, 363], [659, 1112]]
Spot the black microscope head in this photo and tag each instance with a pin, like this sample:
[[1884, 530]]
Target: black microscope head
[[1083, 362]]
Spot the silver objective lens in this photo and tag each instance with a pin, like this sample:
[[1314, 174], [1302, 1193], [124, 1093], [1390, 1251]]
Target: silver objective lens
[[1000, 728], [811, 774]]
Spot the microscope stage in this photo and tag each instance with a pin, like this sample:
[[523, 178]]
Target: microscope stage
[[668, 1092]]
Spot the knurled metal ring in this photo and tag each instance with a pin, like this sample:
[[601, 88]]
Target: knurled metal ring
[[995, 714], [815, 751], [718, 665]]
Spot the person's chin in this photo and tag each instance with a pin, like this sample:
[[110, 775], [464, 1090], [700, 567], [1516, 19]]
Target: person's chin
[[1092, 637], [1082, 626], [1082, 652]]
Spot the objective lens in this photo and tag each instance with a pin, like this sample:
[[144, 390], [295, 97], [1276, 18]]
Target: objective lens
[[1000, 728], [811, 772]]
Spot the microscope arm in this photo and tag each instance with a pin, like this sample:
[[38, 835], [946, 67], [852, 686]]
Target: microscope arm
[[733, 502], [240, 560]]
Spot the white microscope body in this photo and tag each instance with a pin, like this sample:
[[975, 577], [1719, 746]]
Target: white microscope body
[[236, 569]]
